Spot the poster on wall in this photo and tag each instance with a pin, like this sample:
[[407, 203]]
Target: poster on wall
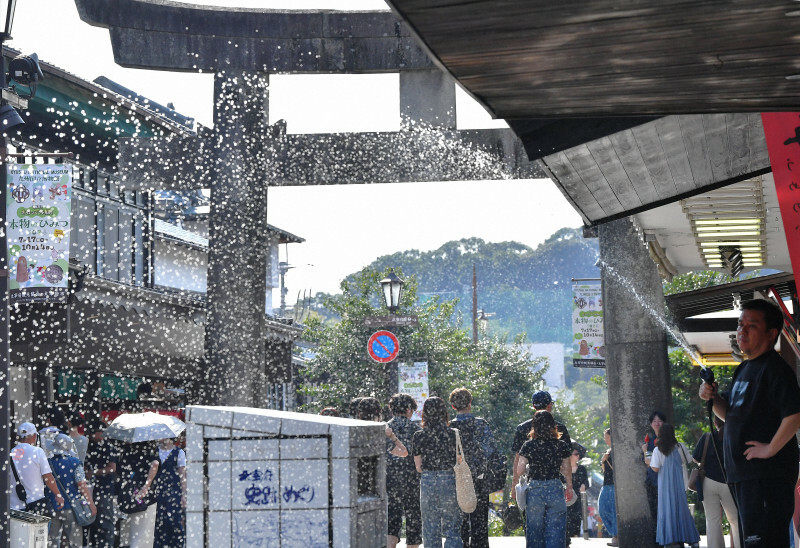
[[38, 210], [413, 380], [588, 346]]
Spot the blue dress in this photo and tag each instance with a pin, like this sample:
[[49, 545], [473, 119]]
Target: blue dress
[[675, 523], [169, 532]]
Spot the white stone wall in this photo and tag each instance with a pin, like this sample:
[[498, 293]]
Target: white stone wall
[[259, 477]]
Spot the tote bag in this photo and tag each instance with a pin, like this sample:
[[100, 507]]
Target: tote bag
[[465, 489]]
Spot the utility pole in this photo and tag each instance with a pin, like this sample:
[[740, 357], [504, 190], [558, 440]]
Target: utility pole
[[474, 305]]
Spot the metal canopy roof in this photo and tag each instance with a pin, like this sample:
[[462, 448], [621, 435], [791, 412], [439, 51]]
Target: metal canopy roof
[[540, 59]]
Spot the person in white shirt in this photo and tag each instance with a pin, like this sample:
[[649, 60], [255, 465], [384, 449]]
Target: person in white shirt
[[34, 472]]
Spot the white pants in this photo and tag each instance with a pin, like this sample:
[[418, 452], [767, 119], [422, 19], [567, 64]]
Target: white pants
[[143, 525], [717, 496]]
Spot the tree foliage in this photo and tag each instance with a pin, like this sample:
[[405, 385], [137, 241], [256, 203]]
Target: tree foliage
[[500, 375], [529, 290]]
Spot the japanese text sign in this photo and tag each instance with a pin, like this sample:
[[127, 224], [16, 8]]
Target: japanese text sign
[[38, 207], [782, 131], [588, 341]]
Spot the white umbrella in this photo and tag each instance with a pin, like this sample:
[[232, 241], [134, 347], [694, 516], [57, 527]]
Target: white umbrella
[[135, 427]]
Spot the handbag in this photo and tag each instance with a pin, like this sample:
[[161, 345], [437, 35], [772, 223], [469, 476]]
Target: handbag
[[698, 474], [521, 492], [465, 489], [22, 495], [78, 504], [512, 517]]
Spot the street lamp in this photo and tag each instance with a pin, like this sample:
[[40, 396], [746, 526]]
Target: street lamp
[[7, 18], [483, 321], [11, 119], [392, 287]]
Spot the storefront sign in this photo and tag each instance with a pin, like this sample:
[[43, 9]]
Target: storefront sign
[[413, 380], [38, 211], [782, 132], [588, 345]]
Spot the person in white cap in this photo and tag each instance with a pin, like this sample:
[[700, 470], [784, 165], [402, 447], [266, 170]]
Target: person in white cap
[[34, 472]]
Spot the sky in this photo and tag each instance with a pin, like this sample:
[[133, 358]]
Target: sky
[[346, 227]]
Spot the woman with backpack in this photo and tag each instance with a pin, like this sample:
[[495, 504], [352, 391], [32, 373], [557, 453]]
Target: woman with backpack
[[544, 458]]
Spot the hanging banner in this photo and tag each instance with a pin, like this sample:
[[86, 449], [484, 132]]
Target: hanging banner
[[588, 344], [413, 380], [782, 131], [38, 207]]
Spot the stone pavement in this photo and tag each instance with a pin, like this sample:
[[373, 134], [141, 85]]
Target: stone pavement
[[519, 542]]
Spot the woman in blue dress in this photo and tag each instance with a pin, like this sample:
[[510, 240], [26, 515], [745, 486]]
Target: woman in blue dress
[[606, 501], [170, 531], [675, 524]]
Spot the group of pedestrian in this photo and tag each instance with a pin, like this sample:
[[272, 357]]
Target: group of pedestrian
[[420, 481], [749, 458], [143, 481]]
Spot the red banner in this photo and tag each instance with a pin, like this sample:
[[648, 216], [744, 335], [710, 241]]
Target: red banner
[[782, 131]]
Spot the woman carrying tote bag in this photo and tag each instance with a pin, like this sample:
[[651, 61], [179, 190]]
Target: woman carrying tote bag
[[434, 449], [544, 458]]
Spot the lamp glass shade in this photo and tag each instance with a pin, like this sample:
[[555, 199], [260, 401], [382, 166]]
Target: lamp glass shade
[[8, 8], [392, 287]]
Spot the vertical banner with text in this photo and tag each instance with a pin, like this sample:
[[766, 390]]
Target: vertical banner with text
[[588, 341], [782, 131], [38, 207], [413, 380]]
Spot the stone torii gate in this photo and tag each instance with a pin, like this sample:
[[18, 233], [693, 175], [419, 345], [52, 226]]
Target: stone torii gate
[[243, 154]]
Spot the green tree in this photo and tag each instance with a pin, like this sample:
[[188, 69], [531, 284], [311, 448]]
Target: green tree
[[690, 414], [501, 376], [584, 409]]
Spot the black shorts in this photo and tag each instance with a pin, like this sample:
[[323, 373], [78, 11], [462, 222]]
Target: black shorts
[[402, 490]]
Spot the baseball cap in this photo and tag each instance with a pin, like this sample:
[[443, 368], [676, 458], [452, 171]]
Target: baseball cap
[[26, 429], [541, 399]]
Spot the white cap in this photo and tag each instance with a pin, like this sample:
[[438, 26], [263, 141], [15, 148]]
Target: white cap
[[26, 429]]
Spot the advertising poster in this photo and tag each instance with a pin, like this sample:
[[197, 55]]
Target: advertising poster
[[413, 380], [588, 346], [38, 210]]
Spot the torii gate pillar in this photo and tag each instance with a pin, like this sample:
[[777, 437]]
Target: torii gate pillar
[[237, 251]]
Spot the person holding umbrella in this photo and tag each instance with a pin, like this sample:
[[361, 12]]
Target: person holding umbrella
[[137, 488]]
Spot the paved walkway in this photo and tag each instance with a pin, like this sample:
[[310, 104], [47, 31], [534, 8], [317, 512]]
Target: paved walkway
[[519, 542]]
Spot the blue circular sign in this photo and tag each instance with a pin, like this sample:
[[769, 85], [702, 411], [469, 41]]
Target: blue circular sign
[[383, 346]]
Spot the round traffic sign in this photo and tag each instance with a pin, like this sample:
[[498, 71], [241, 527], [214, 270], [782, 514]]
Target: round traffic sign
[[383, 346]]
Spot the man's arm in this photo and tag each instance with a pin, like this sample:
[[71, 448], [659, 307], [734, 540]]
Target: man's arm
[[519, 468], [516, 474], [50, 481], [785, 432], [709, 391]]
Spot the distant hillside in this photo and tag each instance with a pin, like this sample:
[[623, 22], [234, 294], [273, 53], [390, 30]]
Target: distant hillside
[[529, 290]]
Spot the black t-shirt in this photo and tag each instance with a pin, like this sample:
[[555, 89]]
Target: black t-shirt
[[437, 447], [763, 392], [404, 429], [608, 470], [524, 429], [712, 467], [545, 457], [99, 455], [580, 477]]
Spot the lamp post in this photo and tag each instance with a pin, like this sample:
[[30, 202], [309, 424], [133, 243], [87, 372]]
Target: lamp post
[[392, 287], [7, 13]]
